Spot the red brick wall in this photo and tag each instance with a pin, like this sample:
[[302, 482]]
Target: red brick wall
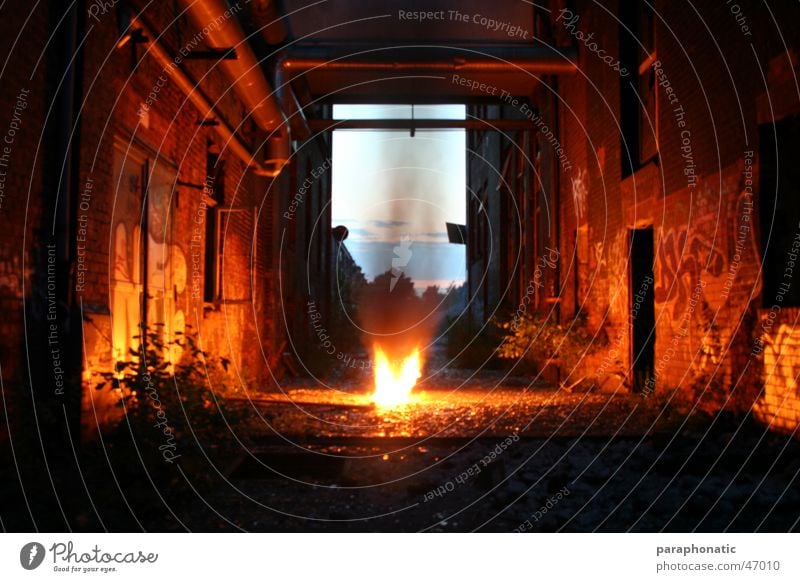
[[591, 202], [117, 83], [23, 35], [707, 248], [778, 354]]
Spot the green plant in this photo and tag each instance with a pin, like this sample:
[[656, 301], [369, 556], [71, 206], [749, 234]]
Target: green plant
[[177, 429], [173, 396], [538, 340]]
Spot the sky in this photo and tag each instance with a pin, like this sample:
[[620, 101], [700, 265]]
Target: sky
[[391, 190]]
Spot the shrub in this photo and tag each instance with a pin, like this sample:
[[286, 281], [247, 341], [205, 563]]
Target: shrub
[[163, 400], [538, 340], [173, 436]]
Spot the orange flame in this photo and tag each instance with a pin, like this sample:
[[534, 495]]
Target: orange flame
[[395, 380]]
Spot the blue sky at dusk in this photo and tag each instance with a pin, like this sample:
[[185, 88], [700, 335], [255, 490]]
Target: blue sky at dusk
[[388, 185]]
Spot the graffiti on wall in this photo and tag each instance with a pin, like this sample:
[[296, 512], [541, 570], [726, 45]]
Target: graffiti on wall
[[684, 257], [696, 265], [166, 267], [713, 247], [580, 193]]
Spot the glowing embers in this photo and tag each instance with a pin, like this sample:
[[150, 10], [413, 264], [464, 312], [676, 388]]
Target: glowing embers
[[395, 378]]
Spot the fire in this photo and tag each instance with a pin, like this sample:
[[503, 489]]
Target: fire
[[395, 380]]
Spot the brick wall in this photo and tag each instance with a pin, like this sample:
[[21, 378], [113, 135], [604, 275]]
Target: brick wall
[[23, 104], [307, 253], [592, 228], [700, 195], [777, 356], [118, 87]]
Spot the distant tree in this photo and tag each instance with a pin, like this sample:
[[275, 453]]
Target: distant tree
[[431, 295], [393, 315], [455, 300], [393, 287]]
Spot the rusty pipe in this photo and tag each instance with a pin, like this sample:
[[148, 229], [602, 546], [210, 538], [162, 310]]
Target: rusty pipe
[[471, 66], [220, 29], [200, 101], [468, 60]]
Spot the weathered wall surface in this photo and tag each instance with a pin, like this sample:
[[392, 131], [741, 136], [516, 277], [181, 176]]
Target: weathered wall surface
[[699, 195], [140, 134], [158, 203], [24, 101]]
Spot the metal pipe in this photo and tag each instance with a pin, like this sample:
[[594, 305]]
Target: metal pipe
[[68, 129], [221, 30], [405, 124], [467, 60], [287, 98], [471, 66], [200, 101]]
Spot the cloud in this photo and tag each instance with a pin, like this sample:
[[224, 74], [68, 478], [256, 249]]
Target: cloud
[[431, 261], [360, 233], [389, 223], [388, 235]]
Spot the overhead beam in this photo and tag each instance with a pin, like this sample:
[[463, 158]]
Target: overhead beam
[[318, 125], [472, 59]]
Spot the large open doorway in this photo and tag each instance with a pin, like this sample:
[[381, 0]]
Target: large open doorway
[[400, 188]]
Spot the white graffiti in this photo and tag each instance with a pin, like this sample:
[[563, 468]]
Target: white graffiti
[[580, 192]]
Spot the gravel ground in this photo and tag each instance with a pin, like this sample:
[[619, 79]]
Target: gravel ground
[[482, 456]]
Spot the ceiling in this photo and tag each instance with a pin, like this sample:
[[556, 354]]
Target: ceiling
[[409, 51]]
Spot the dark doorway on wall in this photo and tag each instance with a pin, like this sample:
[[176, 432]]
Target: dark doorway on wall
[[642, 311], [779, 209]]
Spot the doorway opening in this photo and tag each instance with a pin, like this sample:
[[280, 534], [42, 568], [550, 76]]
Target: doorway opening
[[400, 188], [642, 311]]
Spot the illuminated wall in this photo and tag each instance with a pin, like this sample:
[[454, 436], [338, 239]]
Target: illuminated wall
[[779, 401]]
